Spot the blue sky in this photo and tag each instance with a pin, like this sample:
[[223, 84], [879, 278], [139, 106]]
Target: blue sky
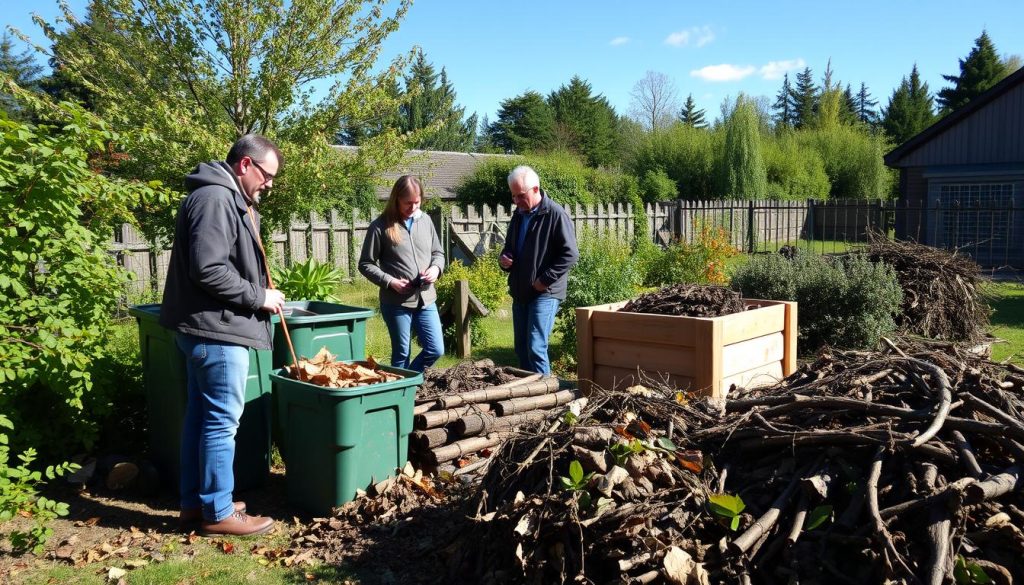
[[496, 50]]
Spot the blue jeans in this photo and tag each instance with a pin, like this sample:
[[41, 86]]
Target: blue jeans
[[531, 325], [216, 398], [400, 321]]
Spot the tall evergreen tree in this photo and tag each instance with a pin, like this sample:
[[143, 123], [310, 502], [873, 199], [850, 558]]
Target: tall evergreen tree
[[804, 99], [865, 107], [585, 123], [429, 104], [910, 109], [526, 123], [848, 107], [691, 116], [979, 71], [24, 71], [783, 105]]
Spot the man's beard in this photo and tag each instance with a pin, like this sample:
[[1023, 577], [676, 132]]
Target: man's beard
[[255, 198]]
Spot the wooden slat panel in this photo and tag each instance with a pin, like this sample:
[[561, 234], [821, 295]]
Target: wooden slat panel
[[753, 323], [609, 377], [655, 356], [640, 327], [759, 376], [584, 350], [742, 356]]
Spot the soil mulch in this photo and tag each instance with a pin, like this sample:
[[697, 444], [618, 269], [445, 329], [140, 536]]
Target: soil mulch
[[694, 300]]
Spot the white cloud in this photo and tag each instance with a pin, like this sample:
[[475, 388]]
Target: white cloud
[[775, 69], [698, 35], [723, 72], [617, 41]]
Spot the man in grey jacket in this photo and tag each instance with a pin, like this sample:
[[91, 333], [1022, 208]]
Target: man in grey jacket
[[217, 299], [540, 248]]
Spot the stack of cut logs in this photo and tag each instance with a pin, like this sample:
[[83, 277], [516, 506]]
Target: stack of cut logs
[[455, 426]]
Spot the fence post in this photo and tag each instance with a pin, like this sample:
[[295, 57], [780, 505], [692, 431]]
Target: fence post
[[462, 321], [751, 240]]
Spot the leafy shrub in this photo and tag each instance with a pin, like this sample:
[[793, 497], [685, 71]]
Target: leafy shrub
[[605, 273], [688, 155], [846, 302], [19, 495], [852, 160], [486, 281], [309, 281], [656, 185], [794, 172], [59, 284], [700, 262]]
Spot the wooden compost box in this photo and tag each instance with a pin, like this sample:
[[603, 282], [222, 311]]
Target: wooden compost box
[[704, 355]]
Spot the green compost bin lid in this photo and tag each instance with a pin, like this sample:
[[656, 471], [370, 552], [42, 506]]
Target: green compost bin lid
[[302, 312], [340, 440]]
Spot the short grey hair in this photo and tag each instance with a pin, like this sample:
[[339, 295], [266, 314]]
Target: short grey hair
[[524, 174], [255, 147]]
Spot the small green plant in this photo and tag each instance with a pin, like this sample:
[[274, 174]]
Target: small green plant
[[728, 508], [570, 418], [967, 573], [577, 482], [19, 495], [622, 451], [310, 280], [818, 516]]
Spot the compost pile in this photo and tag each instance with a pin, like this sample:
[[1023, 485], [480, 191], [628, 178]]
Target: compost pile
[[864, 467], [323, 370], [942, 297], [452, 427], [462, 377], [694, 300]]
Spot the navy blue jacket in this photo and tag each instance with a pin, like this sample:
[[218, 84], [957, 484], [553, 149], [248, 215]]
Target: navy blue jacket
[[548, 253]]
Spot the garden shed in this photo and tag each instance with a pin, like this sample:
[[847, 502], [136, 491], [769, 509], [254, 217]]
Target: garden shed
[[962, 179]]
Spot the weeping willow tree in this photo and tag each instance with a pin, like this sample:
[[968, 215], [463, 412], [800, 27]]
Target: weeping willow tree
[[742, 173]]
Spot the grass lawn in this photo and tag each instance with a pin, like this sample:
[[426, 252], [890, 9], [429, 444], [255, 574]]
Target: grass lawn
[[1008, 321]]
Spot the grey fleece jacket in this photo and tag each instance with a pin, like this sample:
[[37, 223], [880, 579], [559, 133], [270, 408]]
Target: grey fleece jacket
[[216, 280], [382, 261]]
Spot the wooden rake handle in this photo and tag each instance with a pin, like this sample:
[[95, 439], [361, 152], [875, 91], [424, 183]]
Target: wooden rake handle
[[270, 283]]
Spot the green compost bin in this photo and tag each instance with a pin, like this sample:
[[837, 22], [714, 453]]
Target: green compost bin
[[339, 440], [316, 324], [166, 386]]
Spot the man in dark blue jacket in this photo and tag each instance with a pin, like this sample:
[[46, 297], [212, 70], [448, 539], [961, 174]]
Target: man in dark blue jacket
[[540, 248], [218, 301]]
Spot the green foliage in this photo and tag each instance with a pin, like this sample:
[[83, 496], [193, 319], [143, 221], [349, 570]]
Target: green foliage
[[584, 123], [845, 302], [967, 573], [199, 76], [742, 172], [688, 155], [23, 70], [59, 283], [577, 480], [622, 451], [486, 281], [794, 172], [818, 516], [910, 109], [691, 115], [525, 124], [656, 185], [852, 159], [605, 273], [804, 99], [19, 494], [728, 508], [978, 72], [309, 281], [700, 262]]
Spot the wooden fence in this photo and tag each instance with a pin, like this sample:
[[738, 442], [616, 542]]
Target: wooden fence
[[751, 226]]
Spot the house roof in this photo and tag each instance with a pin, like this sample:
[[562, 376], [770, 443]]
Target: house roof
[[441, 172], [955, 117]]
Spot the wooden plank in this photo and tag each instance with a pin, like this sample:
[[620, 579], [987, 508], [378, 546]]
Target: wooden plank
[[789, 335], [744, 355], [707, 372], [753, 323], [760, 376], [641, 327], [462, 322], [609, 377], [584, 349], [660, 357]]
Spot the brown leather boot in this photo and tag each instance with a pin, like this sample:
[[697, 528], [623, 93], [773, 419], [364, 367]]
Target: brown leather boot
[[192, 518], [238, 524]]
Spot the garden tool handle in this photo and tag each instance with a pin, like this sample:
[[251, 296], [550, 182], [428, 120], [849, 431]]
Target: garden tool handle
[[270, 283]]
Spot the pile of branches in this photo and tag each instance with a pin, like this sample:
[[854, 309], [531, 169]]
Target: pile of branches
[[899, 466], [942, 297], [464, 376], [693, 300]]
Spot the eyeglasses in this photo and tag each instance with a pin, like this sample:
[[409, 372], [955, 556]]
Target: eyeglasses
[[267, 177]]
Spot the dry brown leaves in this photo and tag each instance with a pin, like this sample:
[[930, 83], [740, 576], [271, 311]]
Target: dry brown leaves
[[324, 370]]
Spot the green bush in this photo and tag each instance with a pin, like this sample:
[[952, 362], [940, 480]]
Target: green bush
[[59, 284], [605, 273], [308, 281], [700, 262], [486, 281], [793, 172], [846, 302], [688, 155], [656, 185], [19, 494], [852, 160]]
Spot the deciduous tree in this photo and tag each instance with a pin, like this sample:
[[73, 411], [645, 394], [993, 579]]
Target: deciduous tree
[[655, 101]]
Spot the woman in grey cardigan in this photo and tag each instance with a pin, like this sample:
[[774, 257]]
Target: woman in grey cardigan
[[402, 255]]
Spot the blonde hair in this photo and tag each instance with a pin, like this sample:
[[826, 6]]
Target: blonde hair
[[406, 185]]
